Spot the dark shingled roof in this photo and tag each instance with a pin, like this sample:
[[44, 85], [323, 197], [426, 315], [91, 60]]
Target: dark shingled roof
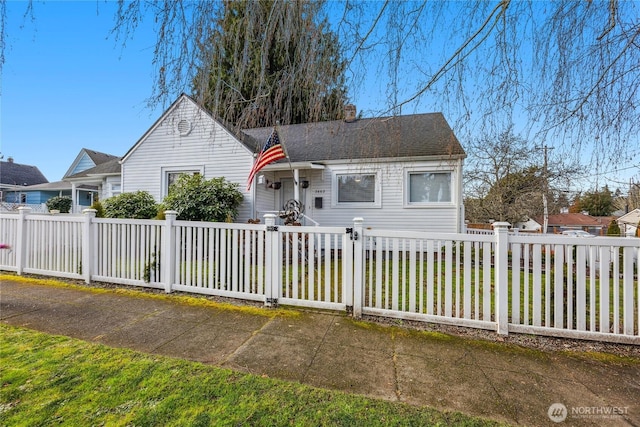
[[417, 135], [106, 168], [16, 174], [98, 157]]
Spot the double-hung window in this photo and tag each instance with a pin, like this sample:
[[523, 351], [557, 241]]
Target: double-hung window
[[428, 187]]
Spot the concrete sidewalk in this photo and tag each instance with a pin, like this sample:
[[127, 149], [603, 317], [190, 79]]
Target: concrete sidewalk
[[498, 381]]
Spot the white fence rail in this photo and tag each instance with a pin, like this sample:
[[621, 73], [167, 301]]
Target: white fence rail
[[539, 284]]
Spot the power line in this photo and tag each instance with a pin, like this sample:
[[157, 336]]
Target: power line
[[609, 172]]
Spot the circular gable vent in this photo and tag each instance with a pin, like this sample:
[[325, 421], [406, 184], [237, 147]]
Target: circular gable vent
[[184, 127]]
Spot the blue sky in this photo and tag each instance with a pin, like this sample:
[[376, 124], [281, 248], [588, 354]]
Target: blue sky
[[67, 85]]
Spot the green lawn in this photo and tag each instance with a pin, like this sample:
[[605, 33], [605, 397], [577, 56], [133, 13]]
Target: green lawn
[[51, 380]]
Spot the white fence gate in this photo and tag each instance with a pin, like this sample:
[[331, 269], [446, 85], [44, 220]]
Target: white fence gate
[[539, 284]]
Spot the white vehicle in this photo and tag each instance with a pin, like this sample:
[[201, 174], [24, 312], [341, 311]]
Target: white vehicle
[[577, 233]]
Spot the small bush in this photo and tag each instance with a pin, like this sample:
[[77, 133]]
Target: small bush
[[99, 209], [137, 205], [197, 199], [60, 203], [161, 216]]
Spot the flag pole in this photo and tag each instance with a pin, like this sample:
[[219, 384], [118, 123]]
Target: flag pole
[[284, 147], [272, 150]]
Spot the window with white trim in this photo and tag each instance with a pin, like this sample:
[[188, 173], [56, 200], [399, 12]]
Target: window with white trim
[[360, 189], [171, 176], [426, 187], [115, 189]]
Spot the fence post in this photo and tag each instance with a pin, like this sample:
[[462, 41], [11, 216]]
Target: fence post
[[358, 268], [87, 244], [627, 291], [501, 263], [271, 279], [169, 251], [21, 239]]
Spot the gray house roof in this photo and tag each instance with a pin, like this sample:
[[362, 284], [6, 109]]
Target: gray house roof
[[417, 135], [96, 158], [17, 174], [58, 186], [109, 167]]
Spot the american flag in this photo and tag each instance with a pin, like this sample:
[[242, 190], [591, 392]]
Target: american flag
[[271, 152]]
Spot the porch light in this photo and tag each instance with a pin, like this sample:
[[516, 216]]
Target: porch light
[[304, 183]]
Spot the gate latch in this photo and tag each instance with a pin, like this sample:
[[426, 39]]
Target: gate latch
[[353, 234]]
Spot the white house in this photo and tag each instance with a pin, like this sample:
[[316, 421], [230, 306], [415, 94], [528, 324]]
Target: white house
[[628, 222], [396, 172]]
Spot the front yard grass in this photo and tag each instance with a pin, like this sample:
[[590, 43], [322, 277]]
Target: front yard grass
[[47, 380]]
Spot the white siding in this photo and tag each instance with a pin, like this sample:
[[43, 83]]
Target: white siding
[[201, 144], [267, 199], [392, 212], [207, 147], [107, 186]]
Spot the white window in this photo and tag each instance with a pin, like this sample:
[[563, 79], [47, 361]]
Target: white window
[[115, 189], [361, 189], [171, 176], [425, 187]]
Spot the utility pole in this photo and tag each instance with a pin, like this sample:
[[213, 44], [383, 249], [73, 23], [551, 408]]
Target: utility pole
[[545, 205]]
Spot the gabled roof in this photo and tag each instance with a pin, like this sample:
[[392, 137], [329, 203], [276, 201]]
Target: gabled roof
[[110, 167], [417, 135], [99, 158], [16, 174], [95, 156], [183, 97], [632, 217]]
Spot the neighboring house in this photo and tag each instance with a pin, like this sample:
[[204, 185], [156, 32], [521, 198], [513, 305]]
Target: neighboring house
[[558, 223], [79, 182], [104, 178], [15, 178], [628, 222], [530, 225], [395, 172]]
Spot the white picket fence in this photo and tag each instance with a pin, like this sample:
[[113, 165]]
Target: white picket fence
[[538, 284]]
